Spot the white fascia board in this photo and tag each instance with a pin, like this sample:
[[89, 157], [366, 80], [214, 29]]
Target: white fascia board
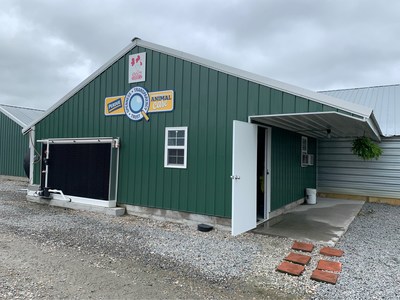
[[285, 87], [82, 84], [371, 121], [291, 89], [12, 117], [374, 125], [358, 118]]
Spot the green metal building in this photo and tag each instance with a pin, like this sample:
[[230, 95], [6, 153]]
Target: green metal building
[[13, 145], [164, 132]]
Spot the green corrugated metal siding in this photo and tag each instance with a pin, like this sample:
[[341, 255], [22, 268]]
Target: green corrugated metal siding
[[206, 101], [288, 177], [13, 147]]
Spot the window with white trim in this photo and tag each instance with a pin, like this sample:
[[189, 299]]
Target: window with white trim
[[304, 151], [175, 153]]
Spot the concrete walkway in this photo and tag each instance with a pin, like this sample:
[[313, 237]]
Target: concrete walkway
[[324, 222]]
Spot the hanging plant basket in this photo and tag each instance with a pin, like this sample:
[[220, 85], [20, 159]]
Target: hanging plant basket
[[365, 148]]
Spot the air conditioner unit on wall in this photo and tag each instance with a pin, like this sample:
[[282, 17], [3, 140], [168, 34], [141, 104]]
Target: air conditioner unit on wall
[[310, 159], [307, 160]]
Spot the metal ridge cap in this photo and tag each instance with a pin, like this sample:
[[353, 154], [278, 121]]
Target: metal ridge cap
[[360, 88], [263, 80], [21, 107]]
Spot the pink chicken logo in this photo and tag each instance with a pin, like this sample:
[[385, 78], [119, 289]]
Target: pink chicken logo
[[135, 61]]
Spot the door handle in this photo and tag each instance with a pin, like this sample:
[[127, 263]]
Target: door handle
[[236, 177]]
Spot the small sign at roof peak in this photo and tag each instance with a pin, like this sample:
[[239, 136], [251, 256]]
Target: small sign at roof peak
[[137, 67]]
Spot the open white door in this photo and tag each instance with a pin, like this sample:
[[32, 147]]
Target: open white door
[[244, 177]]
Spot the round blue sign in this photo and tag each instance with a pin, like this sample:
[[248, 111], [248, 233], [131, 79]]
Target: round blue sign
[[137, 103]]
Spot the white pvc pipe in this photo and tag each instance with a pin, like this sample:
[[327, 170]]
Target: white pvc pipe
[[61, 193], [47, 165]]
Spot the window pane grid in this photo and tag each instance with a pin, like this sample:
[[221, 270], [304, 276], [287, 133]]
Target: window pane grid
[[176, 138], [176, 156], [175, 147]]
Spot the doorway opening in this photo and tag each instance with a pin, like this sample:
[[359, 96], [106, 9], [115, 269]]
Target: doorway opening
[[262, 174]]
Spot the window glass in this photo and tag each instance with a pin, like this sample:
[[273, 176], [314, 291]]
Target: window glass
[[175, 147]]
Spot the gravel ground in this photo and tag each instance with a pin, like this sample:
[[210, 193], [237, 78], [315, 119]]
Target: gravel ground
[[238, 266], [246, 262], [371, 263]]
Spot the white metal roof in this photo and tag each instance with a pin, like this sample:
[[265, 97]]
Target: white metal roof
[[352, 108], [21, 115], [384, 100]]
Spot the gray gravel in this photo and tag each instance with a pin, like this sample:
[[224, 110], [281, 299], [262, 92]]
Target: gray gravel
[[370, 264], [216, 256]]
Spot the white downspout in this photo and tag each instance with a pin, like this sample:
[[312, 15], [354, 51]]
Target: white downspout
[[31, 154]]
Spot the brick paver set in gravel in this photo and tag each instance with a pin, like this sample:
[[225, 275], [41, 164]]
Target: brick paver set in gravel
[[327, 271]]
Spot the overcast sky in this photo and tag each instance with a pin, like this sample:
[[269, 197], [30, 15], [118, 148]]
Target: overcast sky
[[49, 46]]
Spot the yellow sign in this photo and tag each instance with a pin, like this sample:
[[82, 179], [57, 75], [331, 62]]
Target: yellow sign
[[114, 106], [161, 101]]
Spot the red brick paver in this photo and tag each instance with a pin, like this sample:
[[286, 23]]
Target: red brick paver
[[298, 258], [289, 268], [327, 265], [329, 251], [306, 247], [323, 276]]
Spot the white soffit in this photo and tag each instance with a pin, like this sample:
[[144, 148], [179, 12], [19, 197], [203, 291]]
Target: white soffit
[[316, 124]]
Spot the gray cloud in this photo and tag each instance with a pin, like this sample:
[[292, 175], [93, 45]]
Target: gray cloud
[[48, 47]]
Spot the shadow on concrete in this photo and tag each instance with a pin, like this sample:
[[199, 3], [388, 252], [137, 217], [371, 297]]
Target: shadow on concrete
[[324, 222]]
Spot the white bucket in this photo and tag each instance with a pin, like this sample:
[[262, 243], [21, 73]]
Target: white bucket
[[311, 196]]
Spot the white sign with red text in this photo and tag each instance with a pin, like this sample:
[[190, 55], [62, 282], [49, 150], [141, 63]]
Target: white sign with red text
[[137, 67]]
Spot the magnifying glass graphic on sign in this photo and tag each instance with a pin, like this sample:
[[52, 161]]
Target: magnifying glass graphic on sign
[[137, 105]]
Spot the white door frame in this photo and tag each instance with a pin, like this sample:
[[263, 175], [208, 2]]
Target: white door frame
[[267, 174]]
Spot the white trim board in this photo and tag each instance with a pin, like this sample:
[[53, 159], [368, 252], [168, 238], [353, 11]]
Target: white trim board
[[265, 81]]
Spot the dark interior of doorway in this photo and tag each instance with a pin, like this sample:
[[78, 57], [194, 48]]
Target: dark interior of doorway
[[260, 173], [81, 170]]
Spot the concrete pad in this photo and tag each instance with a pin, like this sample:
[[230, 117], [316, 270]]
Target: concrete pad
[[296, 258], [328, 251], [112, 211], [289, 268], [323, 276], [324, 222]]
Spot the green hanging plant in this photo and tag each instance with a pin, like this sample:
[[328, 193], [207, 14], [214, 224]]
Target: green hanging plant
[[365, 148]]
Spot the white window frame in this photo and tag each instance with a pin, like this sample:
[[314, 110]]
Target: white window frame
[[168, 147], [304, 151]]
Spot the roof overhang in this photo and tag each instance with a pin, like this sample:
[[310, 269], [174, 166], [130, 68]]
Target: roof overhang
[[12, 117], [317, 124], [321, 98]]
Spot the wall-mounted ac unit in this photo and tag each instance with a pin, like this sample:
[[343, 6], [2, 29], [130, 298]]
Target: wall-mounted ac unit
[[310, 159]]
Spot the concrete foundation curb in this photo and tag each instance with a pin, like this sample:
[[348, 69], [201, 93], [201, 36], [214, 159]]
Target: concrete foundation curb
[[111, 211]]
